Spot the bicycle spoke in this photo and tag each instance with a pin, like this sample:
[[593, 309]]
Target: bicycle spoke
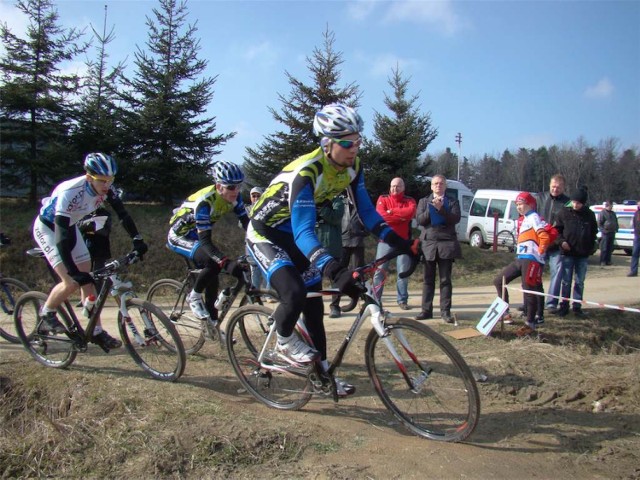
[[269, 380], [424, 381], [10, 292]]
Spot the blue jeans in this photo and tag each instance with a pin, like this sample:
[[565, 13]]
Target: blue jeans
[[571, 266], [403, 262], [635, 255], [554, 260]]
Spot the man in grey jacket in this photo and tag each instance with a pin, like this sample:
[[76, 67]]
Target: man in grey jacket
[[437, 216], [549, 206]]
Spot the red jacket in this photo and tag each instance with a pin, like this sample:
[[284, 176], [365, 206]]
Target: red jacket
[[398, 211]]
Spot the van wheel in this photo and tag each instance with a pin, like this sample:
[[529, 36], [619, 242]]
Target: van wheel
[[475, 240]]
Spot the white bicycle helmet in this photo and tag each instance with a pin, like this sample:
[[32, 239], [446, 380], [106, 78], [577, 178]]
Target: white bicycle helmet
[[337, 120], [227, 173], [100, 164]]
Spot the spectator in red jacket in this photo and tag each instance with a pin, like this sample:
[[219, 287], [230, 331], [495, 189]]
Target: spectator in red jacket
[[398, 210]]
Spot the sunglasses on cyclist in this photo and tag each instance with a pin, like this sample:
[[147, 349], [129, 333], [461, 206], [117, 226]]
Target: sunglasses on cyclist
[[349, 143], [231, 187], [105, 180]]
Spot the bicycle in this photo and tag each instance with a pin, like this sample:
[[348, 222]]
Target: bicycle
[[506, 239], [144, 329], [10, 291], [172, 297], [419, 376]]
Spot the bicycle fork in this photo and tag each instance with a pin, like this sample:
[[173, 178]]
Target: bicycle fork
[[149, 332], [415, 384]]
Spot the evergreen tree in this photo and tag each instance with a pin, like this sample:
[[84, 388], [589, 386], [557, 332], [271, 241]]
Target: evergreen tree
[[34, 105], [278, 149], [98, 120], [398, 140], [171, 142]]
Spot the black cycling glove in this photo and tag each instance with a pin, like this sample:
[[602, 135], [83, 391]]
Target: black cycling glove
[[140, 247], [343, 279]]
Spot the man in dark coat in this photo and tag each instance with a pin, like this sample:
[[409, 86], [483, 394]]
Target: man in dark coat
[[577, 228], [608, 225], [437, 216]]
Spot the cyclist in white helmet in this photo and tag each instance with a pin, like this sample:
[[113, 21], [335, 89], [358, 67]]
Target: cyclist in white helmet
[[282, 237], [190, 235], [56, 233]]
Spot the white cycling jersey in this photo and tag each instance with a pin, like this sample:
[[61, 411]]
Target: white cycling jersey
[[72, 198]]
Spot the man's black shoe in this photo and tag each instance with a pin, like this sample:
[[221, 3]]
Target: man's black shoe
[[580, 314], [335, 312], [423, 315], [562, 312], [446, 316]]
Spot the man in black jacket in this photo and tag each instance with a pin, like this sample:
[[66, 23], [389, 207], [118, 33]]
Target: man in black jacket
[[577, 227], [549, 205], [608, 225]]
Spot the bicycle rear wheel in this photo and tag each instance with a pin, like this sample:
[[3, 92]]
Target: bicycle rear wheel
[[10, 291], [171, 297], [428, 387], [272, 382], [506, 239], [147, 334], [55, 351]]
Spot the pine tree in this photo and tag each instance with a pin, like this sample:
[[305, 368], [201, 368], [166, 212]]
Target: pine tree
[[262, 163], [34, 105], [398, 140], [98, 119], [171, 142]]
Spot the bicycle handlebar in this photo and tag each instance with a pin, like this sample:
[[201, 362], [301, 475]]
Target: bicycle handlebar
[[116, 265]]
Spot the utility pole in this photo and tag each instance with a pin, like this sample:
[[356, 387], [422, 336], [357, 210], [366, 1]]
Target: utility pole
[[459, 142]]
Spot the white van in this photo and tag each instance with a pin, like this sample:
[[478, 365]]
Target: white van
[[486, 204], [460, 192], [624, 236]]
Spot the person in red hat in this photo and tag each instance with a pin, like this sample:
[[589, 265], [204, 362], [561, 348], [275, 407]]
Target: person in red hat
[[533, 241]]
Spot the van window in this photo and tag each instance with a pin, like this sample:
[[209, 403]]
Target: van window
[[513, 211], [479, 207], [451, 193], [466, 203], [498, 207]]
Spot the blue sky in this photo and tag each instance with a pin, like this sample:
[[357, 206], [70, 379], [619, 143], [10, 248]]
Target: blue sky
[[505, 74]]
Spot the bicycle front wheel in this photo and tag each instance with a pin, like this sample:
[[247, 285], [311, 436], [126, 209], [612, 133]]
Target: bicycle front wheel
[[171, 297], [423, 381], [152, 340], [271, 381], [55, 351], [10, 291]]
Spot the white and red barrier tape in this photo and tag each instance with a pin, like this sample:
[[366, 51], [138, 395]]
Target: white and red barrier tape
[[571, 300]]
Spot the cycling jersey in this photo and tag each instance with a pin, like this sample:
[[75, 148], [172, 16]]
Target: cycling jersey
[[74, 198], [532, 239], [201, 210], [289, 202]]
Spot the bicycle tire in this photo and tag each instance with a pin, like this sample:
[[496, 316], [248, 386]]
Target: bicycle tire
[[144, 333], [444, 404], [170, 296], [54, 351], [10, 291], [275, 383], [505, 238]]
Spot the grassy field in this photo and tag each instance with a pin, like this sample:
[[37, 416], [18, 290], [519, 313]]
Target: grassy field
[[16, 218]]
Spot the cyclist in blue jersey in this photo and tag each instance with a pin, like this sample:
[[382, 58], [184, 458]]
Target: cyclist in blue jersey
[[191, 230], [56, 232], [282, 239]]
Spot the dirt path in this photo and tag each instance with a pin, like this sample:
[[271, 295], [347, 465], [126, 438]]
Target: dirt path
[[538, 420]]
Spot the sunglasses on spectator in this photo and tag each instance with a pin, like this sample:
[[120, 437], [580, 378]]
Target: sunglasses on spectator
[[349, 143]]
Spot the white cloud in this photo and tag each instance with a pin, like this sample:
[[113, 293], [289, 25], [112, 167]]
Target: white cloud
[[382, 65], [361, 9], [263, 54], [603, 89], [437, 13]]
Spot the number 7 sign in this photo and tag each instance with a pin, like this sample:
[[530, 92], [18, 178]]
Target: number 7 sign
[[491, 316]]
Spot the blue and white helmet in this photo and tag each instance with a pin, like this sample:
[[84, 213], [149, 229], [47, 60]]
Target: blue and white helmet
[[100, 164], [227, 173], [337, 120]]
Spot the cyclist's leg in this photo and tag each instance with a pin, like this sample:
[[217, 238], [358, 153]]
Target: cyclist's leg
[[207, 280]]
